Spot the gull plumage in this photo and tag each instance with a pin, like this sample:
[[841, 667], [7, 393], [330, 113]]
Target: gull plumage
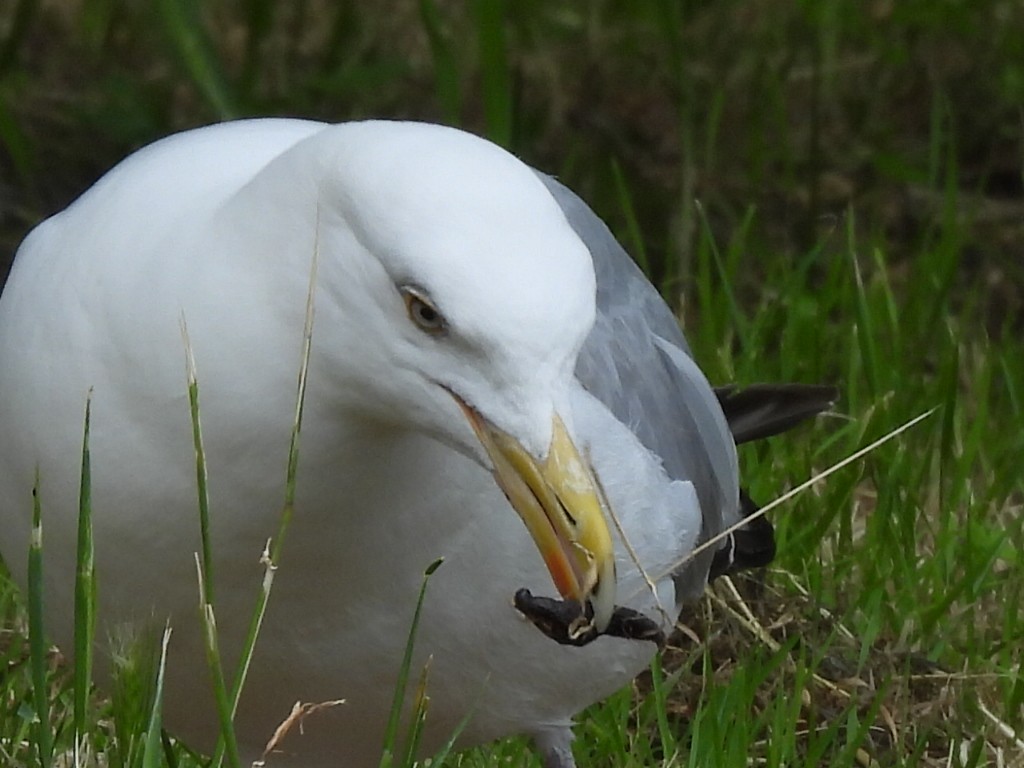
[[541, 314]]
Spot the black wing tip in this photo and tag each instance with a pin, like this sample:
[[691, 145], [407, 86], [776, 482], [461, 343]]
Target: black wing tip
[[758, 411]]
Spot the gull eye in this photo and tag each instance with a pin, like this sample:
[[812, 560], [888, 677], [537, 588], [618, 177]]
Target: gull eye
[[423, 313]]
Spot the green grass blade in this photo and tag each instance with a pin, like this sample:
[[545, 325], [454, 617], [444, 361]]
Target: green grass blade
[[736, 317], [271, 558], [202, 488], [496, 80], [259, 22], [661, 713], [154, 745], [227, 745], [421, 703], [183, 24], [449, 746], [24, 12], [133, 657], [446, 69], [37, 637], [171, 755], [865, 327], [14, 140], [95, 20], [637, 247], [85, 590], [391, 732]]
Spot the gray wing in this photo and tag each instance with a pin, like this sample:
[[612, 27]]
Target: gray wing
[[637, 362]]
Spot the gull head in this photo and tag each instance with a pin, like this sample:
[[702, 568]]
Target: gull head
[[461, 297]]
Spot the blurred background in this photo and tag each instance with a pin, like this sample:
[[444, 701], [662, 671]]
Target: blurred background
[[780, 119], [826, 191]]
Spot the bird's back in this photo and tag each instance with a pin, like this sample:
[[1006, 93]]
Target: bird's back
[[82, 290]]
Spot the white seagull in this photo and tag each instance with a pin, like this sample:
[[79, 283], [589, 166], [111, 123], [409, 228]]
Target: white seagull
[[482, 347]]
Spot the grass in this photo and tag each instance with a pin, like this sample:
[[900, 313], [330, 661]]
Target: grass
[[859, 178]]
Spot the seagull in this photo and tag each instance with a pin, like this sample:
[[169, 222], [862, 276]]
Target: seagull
[[484, 355]]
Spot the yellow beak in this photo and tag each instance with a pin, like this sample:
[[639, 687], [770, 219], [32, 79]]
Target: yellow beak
[[563, 508]]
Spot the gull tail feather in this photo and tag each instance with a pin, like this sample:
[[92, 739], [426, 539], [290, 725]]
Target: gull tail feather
[[755, 413]]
